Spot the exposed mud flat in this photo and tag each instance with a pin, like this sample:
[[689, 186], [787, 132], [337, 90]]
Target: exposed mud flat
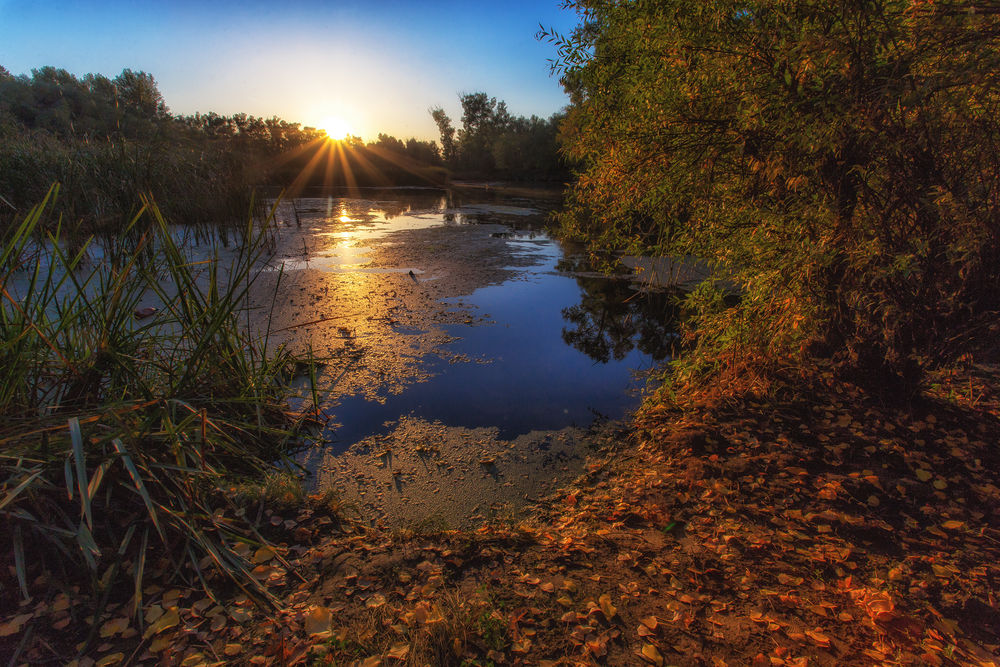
[[423, 474]]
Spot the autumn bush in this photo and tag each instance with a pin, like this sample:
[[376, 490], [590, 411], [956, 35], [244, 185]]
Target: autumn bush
[[837, 162]]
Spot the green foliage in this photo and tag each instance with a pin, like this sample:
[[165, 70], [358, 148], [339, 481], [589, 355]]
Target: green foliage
[[493, 144], [120, 439], [837, 161]]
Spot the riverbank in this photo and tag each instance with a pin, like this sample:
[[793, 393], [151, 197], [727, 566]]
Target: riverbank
[[815, 525]]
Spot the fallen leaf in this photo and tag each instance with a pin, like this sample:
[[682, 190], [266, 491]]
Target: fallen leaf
[[112, 659], [263, 555], [610, 611], [818, 637], [650, 622], [318, 620], [651, 654], [165, 622], [375, 601], [233, 649], [115, 626], [14, 625], [399, 651], [522, 646], [953, 525]]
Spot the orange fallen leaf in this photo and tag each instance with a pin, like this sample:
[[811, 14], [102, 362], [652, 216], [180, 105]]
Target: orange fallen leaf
[[14, 625], [818, 637]]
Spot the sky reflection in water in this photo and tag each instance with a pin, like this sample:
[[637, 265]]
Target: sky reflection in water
[[561, 350]]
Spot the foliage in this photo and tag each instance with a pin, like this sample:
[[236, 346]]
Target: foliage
[[493, 144], [119, 436], [837, 162]]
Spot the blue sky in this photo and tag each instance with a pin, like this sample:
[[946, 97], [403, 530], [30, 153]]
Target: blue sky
[[377, 64]]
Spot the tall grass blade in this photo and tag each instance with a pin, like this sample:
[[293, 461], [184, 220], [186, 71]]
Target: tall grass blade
[[13, 493], [76, 438], [139, 485], [22, 576]]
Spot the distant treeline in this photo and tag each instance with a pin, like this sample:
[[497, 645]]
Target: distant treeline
[[495, 145], [108, 140]]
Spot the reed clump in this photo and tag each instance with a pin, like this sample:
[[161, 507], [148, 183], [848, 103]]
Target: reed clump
[[119, 437]]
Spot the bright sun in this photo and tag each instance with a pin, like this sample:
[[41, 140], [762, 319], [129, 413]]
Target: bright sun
[[335, 127]]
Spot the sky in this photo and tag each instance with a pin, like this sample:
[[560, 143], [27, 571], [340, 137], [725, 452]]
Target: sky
[[378, 65]]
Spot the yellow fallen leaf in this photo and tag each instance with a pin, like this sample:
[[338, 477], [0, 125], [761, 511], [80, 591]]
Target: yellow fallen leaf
[[159, 644], [375, 601], [940, 484], [318, 620], [924, 475], [651, 654], [233, 649], [153, 612], [610, 611], [548, 587], [165, 622], [953, 525], [263, 555], [399, 651], [650, 622], [112, 659], [115, 626]]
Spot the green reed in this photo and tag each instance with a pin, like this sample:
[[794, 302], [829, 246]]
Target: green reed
[[119, 438]]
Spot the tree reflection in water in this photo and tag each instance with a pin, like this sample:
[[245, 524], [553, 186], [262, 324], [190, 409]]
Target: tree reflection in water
[[613, 318]]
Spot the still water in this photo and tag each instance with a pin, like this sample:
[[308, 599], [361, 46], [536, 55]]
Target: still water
[[548, 347]]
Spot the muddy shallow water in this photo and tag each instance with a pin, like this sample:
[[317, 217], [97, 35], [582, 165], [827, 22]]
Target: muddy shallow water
[[463, 365]]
